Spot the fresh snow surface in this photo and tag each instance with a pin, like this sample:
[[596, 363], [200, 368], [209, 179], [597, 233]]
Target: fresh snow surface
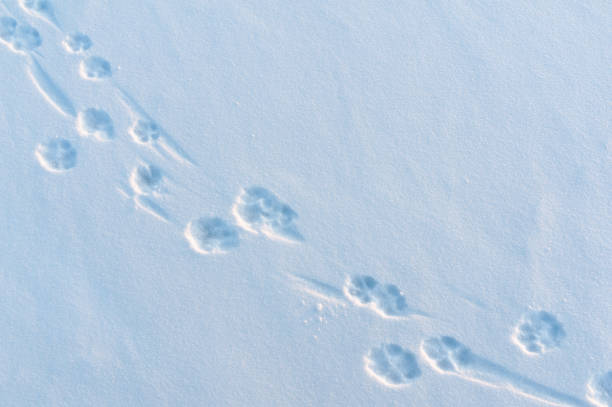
[[306, 203]]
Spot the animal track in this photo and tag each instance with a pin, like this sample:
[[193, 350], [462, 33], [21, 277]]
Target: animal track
[[95, 68], [41, 9], [392, 365], [599, 390], [363, 291], [146, 183], [385, 299], [26, 38], [19, 37], [95, 123], [211, 235], [145, 132], [146, 179], [538, 332], [447, 355], [258, 210], [56, 155], [77, 43]]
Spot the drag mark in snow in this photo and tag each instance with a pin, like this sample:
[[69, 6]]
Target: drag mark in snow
[[319, 289], [151, 207], [49, 89], [258, 210], [392, 365], [56, 155], [446, 355], [538, 332]]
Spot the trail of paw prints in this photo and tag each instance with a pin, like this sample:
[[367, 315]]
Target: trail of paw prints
[[144, 131], [363, 291], [147, 184], [257, 210], [446, 355], [538, 332], [599, 389], [74, 42], [24, 39], [392, 365], [91, 67], [91, 123], [210, 235], [57, 155], [205, 235], [44, 10]]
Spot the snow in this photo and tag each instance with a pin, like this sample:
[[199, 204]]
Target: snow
[[457, 153]]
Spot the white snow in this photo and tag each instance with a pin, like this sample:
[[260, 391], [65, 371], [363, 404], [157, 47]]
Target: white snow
[[261, 159]]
